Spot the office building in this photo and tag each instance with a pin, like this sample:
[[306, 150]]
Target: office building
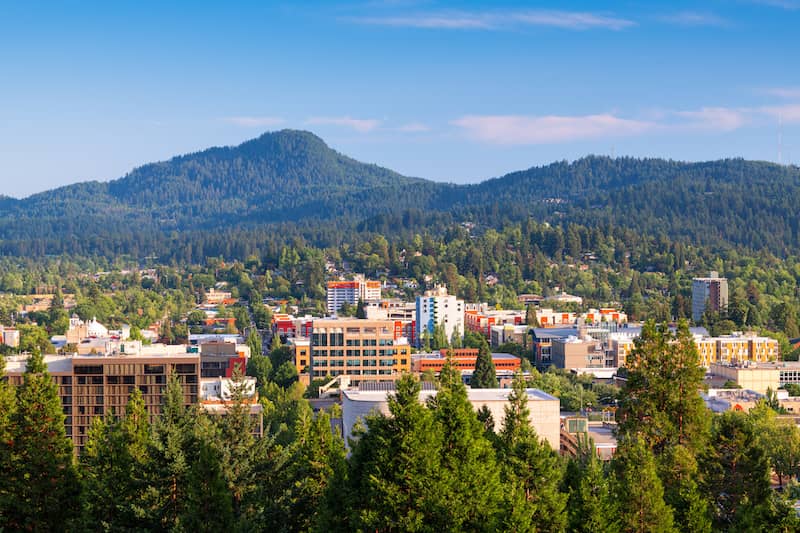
[[436, 307], [350, 292], [709, 294]]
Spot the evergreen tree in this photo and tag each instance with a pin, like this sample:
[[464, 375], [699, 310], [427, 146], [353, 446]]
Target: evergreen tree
[[530, 317], [736, 473], [42, 482], [395, 471], [484, 376], [318, 457], [470, 485], [112, 466], [592, 509], [638, 491], [361, 311], [455, 340], [533, 467], [254, 342], [7, 408], [238, 446], [169, 468]]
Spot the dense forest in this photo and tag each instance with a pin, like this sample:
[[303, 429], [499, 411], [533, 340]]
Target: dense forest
[[291, 184]]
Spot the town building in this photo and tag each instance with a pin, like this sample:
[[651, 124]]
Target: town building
[[350, 292], [544, 408], [365, 350], [480, 318], [438, 308], [709, 294], [463, 359], [506, 333]]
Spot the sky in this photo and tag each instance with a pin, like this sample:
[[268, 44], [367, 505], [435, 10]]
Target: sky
[[450, 91]]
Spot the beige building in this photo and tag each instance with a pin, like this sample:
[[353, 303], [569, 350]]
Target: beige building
[[92, 386], [757, 378], [574, 352], [544, 408]]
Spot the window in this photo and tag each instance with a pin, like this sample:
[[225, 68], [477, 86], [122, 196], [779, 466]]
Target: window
[[89, 369], [185, 369], [153, 369]]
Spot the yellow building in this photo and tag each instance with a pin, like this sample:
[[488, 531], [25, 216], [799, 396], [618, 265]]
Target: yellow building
[[367, 350]]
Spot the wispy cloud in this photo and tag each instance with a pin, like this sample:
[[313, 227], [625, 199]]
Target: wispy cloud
[[552, 129], [788, 93], [255, 122], [787, 113], [360, 125], [413, 127], [496, 20], [693, 18], [712, 118], [520, 129]]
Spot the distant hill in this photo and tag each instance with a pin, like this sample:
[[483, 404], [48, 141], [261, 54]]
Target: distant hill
[[291, 181]]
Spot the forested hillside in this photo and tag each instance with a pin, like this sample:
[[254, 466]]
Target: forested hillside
[[293, 184]]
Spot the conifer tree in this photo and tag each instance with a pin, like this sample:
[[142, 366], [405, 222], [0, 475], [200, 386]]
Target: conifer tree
[[318, 457], [238, 447], [168, 472], [592, 509], [112, 467], [638, 490], [533, 467], [470, 484], [395, 473], [7, 407], [484, 376], [42, 479]]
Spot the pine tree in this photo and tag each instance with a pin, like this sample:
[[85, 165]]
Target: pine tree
[[484, 376], [361, 311], [42, 478], [113, 465], [638, 490], [7, 408], [254, 342], [318, 456], [394, 473], [238, 445], [470, 486], [170, 452], [592, 509], [533, 467]]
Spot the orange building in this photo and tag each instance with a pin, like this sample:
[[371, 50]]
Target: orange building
[[463, 359]]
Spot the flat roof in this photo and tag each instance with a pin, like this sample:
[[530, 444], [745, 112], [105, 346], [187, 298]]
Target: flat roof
[[477, 395]]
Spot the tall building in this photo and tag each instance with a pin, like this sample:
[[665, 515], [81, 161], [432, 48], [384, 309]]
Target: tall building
[[350, 292], [436, 307], [709, 293], [366, 350]]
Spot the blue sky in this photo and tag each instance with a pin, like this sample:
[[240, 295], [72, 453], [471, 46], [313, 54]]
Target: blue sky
[[455, 91]]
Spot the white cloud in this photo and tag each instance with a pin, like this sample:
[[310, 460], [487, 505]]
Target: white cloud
[[360, 125], [255, 122], [519, 129], [713, 118], [482, 20], [693, 18]]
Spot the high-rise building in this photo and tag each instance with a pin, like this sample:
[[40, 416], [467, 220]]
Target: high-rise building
[[350, 292], [436, 307], [709, 293]]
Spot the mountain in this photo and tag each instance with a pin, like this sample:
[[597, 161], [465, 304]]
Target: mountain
[[291, 183]]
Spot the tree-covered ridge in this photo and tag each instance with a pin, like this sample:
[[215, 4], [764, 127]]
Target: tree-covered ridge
[[291, 182]]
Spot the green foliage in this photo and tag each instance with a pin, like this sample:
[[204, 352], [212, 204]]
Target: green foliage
[[638, 491], [41, 476], [484, 376]]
